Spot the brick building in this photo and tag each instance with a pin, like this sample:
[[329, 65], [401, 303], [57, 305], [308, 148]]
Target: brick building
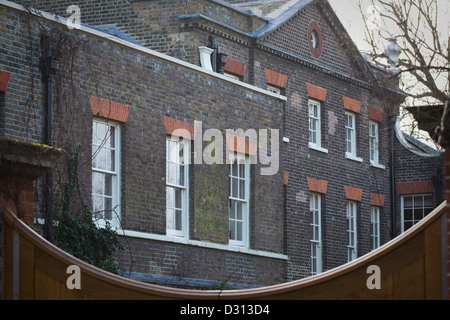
[[142, 72]]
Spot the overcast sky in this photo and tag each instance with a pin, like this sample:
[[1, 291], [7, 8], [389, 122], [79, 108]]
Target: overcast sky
[[350, 16]]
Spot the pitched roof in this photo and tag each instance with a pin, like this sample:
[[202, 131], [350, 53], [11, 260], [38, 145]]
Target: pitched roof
[[277, 12]]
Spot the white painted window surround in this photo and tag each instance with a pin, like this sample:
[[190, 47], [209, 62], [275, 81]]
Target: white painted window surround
[[350, 137], [177, 187], [315, 209], [315, 124], [239, 200], [106, 194]]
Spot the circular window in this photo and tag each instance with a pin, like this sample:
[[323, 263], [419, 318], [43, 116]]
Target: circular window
[[315, 39]]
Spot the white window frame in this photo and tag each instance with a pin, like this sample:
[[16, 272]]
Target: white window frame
[[232, 75], [350, 137], [316, 119], [181, 168], [374, 143], [375, 227], [274, 90], [418, 209], [98, 146], [315, 208], [352, 231], [234, 199]]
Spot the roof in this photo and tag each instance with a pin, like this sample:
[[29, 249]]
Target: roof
[[267, 8], [276, 12], [414, 145]]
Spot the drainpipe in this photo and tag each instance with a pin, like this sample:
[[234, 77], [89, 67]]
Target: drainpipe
[[392, 178], [49, 66]]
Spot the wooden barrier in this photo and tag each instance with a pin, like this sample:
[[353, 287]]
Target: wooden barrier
[[411, 267]]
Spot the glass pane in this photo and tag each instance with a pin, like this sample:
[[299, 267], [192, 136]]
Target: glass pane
[[427, 211], [178, 220], [239, 232], [181, 171], [316, 233], [170, 197], [242, 169], [232, 230], [428, 201], [407, 214], [111, 160], [418, 202], [312, 111], [97, 203], [108, 184], [101, 159], [407, 202], [313, 250], [100, 133], [171, 151], [181, 153], [170, 219], [172, 173], [112, 135], [178, 199], [108, 209], [348, 143], [234, 168], [232, 209], [408, 225], [234, 187], [239, 210], [242, 189], [94, 156], [312, 137], [97, 183]]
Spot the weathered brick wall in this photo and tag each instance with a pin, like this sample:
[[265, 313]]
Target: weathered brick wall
[[155, 24], [302, 162], [21, 114], [155, 88], [292, 37], [407, 170], [163, 92]]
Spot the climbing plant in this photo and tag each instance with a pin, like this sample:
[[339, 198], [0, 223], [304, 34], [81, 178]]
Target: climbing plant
[[77, 233]]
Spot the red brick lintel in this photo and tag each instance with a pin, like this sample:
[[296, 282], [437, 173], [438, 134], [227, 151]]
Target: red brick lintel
[[179, 128], [316, 92], [319, 186], [375, 115], [377, 200], [241, 145], [353, 193], [235, 67], [352, 104], [276, 79], [108, 109], [415, 187]]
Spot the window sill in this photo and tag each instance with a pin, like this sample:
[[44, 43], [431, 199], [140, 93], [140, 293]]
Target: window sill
[[317, 148], [350, 156], [377, 165], [203, 244]]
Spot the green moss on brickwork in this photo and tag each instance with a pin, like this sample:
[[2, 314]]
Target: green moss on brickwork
[[210, 204]]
